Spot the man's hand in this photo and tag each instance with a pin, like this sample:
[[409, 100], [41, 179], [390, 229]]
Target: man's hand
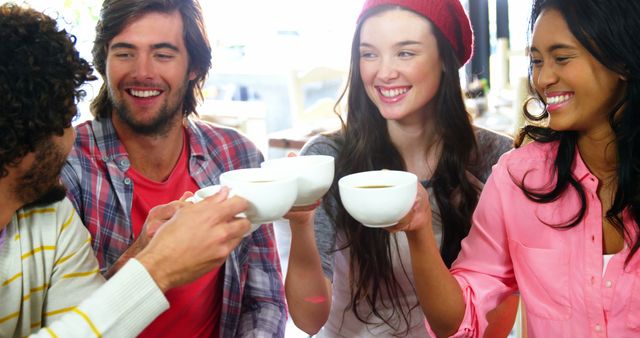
[[198, 238], [157, 216]]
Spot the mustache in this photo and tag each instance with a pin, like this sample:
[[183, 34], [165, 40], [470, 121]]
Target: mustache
[[144, 84]]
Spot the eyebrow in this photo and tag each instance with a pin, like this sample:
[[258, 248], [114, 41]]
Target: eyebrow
[[554, 47], [399, 44], [162, 45]]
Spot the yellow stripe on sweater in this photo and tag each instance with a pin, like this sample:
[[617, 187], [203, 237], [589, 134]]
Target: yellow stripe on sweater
[[67, 222], [36, 250], [59, 311], [81, 274], [8, 281], [51, 332], [88, 320], [34, 290], [36, 211], [9, 317], [66, 258]]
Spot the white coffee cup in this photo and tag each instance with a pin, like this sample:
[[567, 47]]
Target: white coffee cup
[[314, 175], [205, 192], [270, 193], [378, 198]]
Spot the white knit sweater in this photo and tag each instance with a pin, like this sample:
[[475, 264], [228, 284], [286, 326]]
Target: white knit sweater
[[47, 268]]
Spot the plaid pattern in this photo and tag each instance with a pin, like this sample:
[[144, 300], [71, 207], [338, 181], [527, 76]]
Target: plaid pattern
[[95, 176]]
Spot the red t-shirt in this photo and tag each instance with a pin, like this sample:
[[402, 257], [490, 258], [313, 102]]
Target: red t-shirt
[[194, 308]]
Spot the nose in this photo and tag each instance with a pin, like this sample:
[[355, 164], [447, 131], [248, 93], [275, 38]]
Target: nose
[[144, 68], [388, 70], [545, 76]]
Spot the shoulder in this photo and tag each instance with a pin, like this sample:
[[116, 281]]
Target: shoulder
[[490, 146], [49, 219], [324, 144], [490, 141], [227, 147], [534, 158], [215, 136]]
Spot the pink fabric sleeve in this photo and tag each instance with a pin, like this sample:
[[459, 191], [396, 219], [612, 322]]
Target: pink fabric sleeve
[[483, 268]]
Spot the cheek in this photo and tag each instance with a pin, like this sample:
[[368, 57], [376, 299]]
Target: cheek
[[367, 72]]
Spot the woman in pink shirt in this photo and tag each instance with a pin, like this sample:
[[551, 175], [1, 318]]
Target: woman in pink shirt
[[558, 220]]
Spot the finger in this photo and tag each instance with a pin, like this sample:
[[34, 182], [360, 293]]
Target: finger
[[165, 211], [306, 207], [291, 154], [234, 230], [186, 195], [219, 196], [225, 209]]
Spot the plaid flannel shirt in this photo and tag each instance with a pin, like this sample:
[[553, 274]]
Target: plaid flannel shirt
[[96, 178]]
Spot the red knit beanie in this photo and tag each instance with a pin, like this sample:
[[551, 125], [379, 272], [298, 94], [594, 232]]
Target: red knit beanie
[[447, 15]]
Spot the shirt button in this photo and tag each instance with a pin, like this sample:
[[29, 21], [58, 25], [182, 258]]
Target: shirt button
[[608, 284], [105, 159], [127, 180], [598, 328], [124, 162]]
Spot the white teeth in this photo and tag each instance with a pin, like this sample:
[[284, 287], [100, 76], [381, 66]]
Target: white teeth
[[558, 99], [393, 92], [145, 93]]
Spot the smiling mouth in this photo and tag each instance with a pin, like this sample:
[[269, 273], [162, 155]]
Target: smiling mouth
[[559, 99], [143, 93], [391, 93]]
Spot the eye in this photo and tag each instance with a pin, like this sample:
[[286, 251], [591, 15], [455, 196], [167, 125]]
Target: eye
[[367, 55], [163, 56], [562, 59], [534, 62], [123, 55], [406, 54]]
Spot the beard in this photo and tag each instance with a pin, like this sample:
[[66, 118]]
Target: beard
[[40, 185], [158, 126]]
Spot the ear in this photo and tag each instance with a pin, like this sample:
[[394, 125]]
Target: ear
[[192, 75]]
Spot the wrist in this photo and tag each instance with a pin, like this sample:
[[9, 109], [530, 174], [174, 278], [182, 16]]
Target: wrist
[[154, 267]]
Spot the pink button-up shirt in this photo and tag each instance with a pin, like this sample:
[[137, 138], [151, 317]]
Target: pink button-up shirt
[[558, 272]]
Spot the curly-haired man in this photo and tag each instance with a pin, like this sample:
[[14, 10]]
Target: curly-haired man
[[50, 283]]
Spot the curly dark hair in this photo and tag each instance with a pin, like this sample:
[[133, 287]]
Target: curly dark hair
[[40, 76]]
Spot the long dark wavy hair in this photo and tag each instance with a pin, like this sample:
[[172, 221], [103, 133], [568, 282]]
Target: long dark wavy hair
[[41, 73], [609, 31], [365, 144], [114, 17]]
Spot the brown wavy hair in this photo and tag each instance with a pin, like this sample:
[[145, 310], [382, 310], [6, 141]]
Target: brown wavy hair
[[115, 15], [365, 144], [40, 77]]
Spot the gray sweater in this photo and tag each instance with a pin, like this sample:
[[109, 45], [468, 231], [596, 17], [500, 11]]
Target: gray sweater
[[335, 264]]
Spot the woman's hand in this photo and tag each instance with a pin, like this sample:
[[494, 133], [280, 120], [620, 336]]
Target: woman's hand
[[419, 217]]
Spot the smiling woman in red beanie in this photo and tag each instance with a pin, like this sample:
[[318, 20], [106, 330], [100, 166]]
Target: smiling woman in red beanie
[[405, 111]]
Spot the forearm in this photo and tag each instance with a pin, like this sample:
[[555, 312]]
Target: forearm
[[307, 289], [122, 307], [131, 252], [439, 293]]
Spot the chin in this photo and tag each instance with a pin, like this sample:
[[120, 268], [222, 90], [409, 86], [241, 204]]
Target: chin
[[54, 194]]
